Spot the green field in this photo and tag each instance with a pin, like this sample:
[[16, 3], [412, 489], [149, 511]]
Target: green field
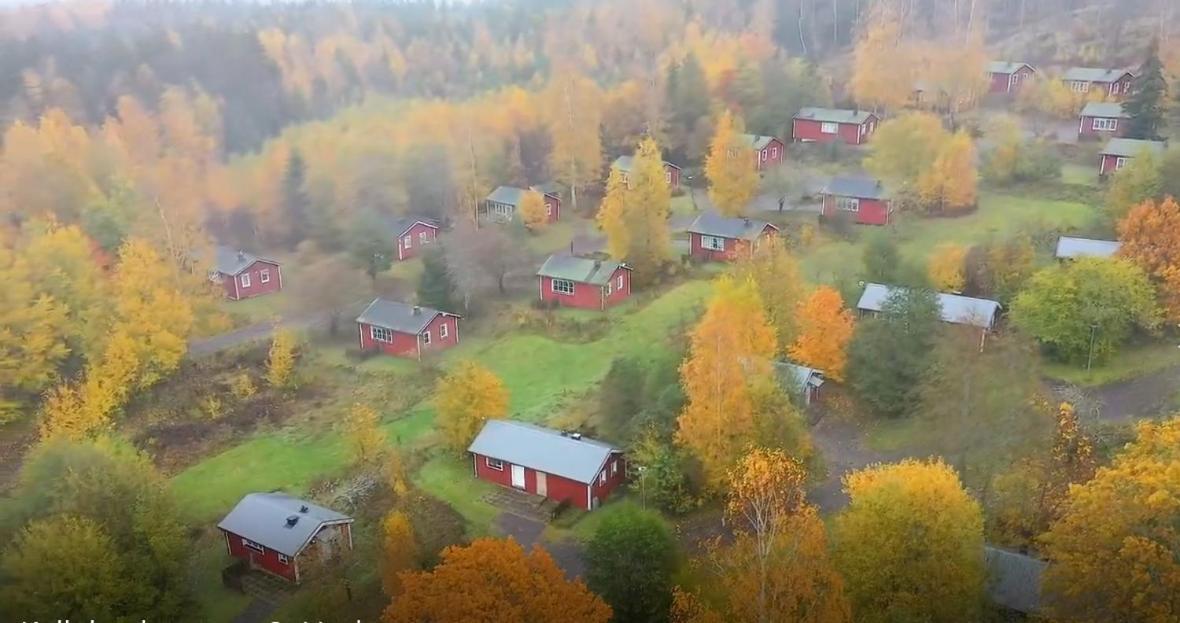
[[1130, 362]]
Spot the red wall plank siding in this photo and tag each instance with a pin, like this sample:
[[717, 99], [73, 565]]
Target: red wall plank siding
[[1108, 164], [553, 205], [848, 133], [734, 249], [407, 344], [558, 488], [587, 296], [267, 560], [234, 290], [420, 235], [871, 212], [1086, 128], [1006, 83], [770, 156]]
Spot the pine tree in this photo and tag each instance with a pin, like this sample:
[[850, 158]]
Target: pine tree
[[296, 203], [1146, 104], [435, 287]]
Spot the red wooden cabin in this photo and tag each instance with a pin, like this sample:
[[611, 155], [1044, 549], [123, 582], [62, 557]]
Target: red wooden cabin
[[244, 276], [1007, 77], [862, 197], [276, 533], [623, 165], [503, 203], [769, 152], [582, 282], [829, 125], [561, 466], [1114, 83], [1100, 120], [406, 330], [713, 237], [1119, 152], [412, 235]]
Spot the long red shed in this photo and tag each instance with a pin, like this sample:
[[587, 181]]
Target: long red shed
[[623, 164], [583, 282], [1114, 83], [1007, 76], [405, 330], [243, 275], [275, 532], [829, 125], [1102, 120], [713, 237], [561, 466], [862, 197], [412, 235]]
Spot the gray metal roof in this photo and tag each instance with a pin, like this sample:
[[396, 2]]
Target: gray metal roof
[[1006, 67], [955, 309], [579, 269], [834, 115], [757, 141], [400, 317], [796, 377], [231, 261], [401, 224], [1014, 580], [1131, 147], [509, 195], [624, 164], [1093, 74], [1112, 110], [710, 223], [1068, 247], [855, 186], [542, 449], [264, 519]]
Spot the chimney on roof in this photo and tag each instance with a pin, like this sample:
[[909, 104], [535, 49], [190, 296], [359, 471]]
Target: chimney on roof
[[417, 310], [746, 220], [303, 508], [241, 256], [597, 263], [292, 520]]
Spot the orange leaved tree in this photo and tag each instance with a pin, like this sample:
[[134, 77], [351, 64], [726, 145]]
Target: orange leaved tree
[[1150, 235], [825, 328]]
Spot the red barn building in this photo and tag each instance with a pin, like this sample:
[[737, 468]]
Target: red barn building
[[583, 282], [1118, 152], [244, 276], [564, 467], [623, 165], [1007, 77], [713, 237], [503, 203], [1115, 83], [1102, 120], [862, 197], [769, 152], [405, 330], [829, 125], [412, 236], [275, 533]]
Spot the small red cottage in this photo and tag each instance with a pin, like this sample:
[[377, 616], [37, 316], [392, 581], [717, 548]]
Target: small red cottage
[[1118, 152], [768, 150], [1007, 77], [583, 282], [245, 276], [405, 330], [671, 172], [863, 197], [1114, 83], [502, 204], [412, 235], [829, 125], [561, 466], [275, 532], [713, 237], [1102, 120]]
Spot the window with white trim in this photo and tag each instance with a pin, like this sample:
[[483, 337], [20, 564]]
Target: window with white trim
[[713, 243], [608, 288], [408, 242], [264, 275], [827, 127], [614, 467], [1105, 125], [245, 280], [495, 464], [668, 176], [381, 334], [254, 546], [502, 210], [1119, 163], [284, 560], [619, 280], [1079, 86], [422, 237], [1126, 87], [848, 204], [443, 331], [426, 337], [763, 155], [774, 152], [602, 477], [548, 209], [562, 286]]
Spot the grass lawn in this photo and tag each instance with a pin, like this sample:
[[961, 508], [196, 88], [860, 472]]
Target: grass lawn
[[894, 435], [1129, 363], [209, 558], [1079, 174], [258, 309], [683, 205], [450, 479], [557, 235]]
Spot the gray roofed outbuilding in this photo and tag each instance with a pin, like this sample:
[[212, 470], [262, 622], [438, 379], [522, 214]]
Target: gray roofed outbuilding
[[855, 186], [1006, 67], [1068, 247], [1110, 110], [796, 377], [579, 269], [542, 449], [710, 223], [956, 309], [1131, 147], [1014, 580], [834, 115], [509, 195], [231, 261], [400, 317], [1093, 74], [265, 518], [624, 163]]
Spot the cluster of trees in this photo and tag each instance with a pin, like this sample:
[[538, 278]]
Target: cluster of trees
[[931, 167]]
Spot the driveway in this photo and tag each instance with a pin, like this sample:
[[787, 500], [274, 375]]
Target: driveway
[[1146, 396], [254, 333]]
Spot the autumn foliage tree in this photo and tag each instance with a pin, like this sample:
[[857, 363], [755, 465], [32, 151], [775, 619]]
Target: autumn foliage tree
[[945, 267], [948, 186], [399, 551], [532, 210], [574, 121], [280, 362], [361, 431], [775, 272], [634, 213], [1150, 236], [498, 581], [1135, 183], [465, 398], [825, 329], [906, 147], [733, 180], [879, 54]]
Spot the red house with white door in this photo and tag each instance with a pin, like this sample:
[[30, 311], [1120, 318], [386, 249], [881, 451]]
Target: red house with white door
[[1119, 152], [769, 152], [1114, 83], [830, 125], [244, 276], [1102, 120], [1007, 77], [558, 465], [412, 236], [406, 330], [583, 282], [623, 165], [277, 533], [863, 198], [713, 237]]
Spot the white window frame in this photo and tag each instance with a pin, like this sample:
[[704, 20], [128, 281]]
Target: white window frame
[[381, 334], [1120, 163], [244, 279], [426, 338], [829, 127], [762, 154], [503, 210], [712, 243], [1104, 124], [558, 286], [1079, 86], [495, 464], [614, 467], [1126, 87], [264, 275], [668, 176], [848, 204], [774, 152], [608, 288], [602, 477], [619, 281], [407, 242], [548, 209], [422, 237], [443, 332], [248, 544], [284, 560]]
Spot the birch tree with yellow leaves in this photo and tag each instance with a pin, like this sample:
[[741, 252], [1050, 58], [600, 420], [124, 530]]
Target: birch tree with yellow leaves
[[634, 213], [733, 180]]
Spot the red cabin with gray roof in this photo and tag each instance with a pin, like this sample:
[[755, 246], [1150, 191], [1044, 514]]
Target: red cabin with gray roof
[[862, 198], [412, 235], [623, 165], [769, 152], [406, 330], [830, 125], [501, 205], [277, 533], [1113, 83], [1102, 120], [713, 237], [583, 282], [1007, 76], [1119, 152], [244, 276], [561, 466]]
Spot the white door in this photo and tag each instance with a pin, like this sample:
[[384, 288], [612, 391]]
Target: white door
[[518, 476], [542, 483]]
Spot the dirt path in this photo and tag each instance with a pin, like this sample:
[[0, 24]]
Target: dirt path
[[1146, 396], [841, 446]]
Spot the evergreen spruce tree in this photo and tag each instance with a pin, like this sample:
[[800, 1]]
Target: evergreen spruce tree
[[1145, 107], [435, 287], [296, 203]]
